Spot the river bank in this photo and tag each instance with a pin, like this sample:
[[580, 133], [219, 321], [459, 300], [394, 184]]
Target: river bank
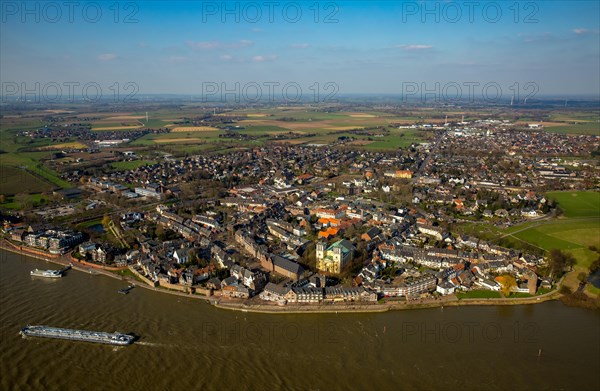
[[264, 308], [77, 265], [447, 301], [248, 348]]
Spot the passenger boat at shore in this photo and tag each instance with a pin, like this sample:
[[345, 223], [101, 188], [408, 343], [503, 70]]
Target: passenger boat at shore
[[50, 273], [78, 335], [46, 273]]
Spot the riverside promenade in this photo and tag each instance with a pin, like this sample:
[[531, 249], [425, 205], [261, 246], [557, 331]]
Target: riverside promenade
[[254, 305]]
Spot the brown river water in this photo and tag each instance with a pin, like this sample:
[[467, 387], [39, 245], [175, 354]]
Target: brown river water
[[187, 344]]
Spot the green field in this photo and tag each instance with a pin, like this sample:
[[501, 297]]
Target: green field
[[479, 294], [155, 123], [518, 295], [89, 223], [131, 165], [100, 126], [13, 203], [575, 232], [19, 154], [190, 142], [581, 128], [575, 116], [564, 234], [178, 137], [16, 180], [31, 162], [575, 122], [263, 130], [398, 138], [577, 204]]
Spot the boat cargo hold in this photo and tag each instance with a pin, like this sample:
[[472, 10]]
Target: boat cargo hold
[[78, 335]]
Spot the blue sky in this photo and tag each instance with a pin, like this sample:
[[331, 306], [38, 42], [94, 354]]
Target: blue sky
[[368, 46]]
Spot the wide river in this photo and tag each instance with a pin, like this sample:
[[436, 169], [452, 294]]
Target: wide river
[[187, 344]]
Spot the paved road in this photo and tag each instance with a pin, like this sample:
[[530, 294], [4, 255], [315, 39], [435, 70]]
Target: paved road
[[428, 157]]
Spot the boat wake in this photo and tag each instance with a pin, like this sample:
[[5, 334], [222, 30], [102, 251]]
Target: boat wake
[[153, 344]]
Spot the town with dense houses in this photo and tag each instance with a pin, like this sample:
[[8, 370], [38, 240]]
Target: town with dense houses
[[317, 224], [300, 195]]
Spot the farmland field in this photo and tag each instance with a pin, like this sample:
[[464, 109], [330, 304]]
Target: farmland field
[[321, 127], [578, 128], [575, 116], [15, 180], [375, 130], [131, 165], [31, 162], [256, 130], [125, 118], [69, 145], [398, 139], [344, 127], [361, 115], [574, 122], [175, 140], [116, 127], [194, 129], [190, 137], [124, 121]]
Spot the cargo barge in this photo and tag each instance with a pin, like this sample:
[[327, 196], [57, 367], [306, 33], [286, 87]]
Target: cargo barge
[[78, 335]]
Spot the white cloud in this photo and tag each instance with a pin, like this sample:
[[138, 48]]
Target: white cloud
[[176, 59], [244, 43], [264, 58], [204, 45], [209, 45], [107, 57], [581, 31], [299, 46], [414, 47], [538, 37], [226, 57]]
